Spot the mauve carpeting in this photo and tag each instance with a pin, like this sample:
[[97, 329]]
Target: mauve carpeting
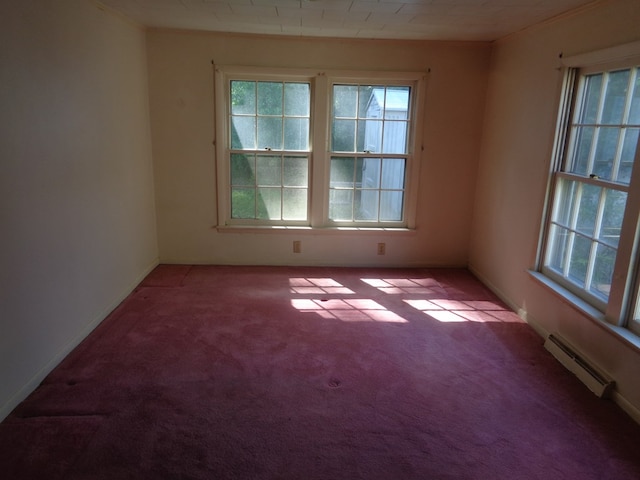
[[314, 373]]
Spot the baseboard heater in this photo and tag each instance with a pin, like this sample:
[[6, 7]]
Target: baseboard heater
[[597, 382]]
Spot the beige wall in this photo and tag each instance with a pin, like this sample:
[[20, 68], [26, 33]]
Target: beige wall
[[182, 119], [523, 96], [76, 182]]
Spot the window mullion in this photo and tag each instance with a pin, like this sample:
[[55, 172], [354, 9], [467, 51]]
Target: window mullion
[[320, 159]]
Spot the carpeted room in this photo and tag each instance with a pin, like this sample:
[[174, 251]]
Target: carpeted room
[[294, 372], [110, 170]]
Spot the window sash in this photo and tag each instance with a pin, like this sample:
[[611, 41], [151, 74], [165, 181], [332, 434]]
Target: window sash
[[578, 169], [370, 152]]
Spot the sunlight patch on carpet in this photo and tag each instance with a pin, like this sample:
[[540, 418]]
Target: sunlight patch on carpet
[[399, 286], [349, 310], [311, 286], [455, 311]]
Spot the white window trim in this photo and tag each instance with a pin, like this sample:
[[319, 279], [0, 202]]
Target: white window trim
[[321, 84]]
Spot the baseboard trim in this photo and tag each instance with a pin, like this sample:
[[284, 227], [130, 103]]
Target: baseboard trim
[[36, 379], [523, 314], [626, 406], [614, 396]]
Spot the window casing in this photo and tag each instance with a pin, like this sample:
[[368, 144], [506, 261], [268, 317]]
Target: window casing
[[591, 231], [299, 148]]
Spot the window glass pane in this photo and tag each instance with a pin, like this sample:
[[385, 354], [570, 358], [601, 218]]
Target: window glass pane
[[591, 99], [614, 207], [393, 173], [580, 255], [269, 98], [367, 106], [366, 203], [589, 204], [627, 155], [269, 204], [342, 173], [295, 172], [634, 113], [296, 133], [391, 205], [243, 202], [603, 271], [370, 172], [606, 152], [243, 133], [343, 136], [242, 170], [395, 137], [345, 101], [341, 205], [566, 196], [297, 99], [294, 204], [243, 97], [397, 103], [582, 150], [370, 136], [270, 132], [615, 97], [268, 170], [559, 239]]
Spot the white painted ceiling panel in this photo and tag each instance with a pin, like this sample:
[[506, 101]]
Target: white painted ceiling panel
[[475, 20]]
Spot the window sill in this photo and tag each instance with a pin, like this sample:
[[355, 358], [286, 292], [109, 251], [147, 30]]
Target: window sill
[[587, 310], [279, 229]]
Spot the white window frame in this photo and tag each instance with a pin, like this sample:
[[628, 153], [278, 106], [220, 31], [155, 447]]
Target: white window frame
[[321, 89], [618, 311]]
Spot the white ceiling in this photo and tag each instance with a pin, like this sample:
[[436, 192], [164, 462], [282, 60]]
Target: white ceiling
[[479, 20]]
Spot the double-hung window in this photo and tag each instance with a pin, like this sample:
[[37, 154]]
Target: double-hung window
[[269, 150], [591, 232], [298, 148], [369, 146]]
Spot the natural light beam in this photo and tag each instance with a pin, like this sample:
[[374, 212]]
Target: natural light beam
[[350, 310], [455, 311], [410, 286], [315, 286]]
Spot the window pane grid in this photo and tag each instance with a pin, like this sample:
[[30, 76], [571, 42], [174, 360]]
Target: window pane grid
[[269, 186], [369, 145], [270, 115], [605, 116], [591, 188]]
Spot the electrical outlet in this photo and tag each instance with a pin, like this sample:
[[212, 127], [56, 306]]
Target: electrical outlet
[[382, 248], [297, 246]]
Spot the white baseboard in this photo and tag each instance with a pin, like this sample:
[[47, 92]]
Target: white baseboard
[[615, 396], [36, 379]]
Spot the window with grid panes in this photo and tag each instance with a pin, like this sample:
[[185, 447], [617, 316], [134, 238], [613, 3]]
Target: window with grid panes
[[369, 146], [269, 156], [310, 149], [591, 231]]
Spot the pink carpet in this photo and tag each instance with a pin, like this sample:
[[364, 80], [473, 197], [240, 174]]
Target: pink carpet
[[314, 373]]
